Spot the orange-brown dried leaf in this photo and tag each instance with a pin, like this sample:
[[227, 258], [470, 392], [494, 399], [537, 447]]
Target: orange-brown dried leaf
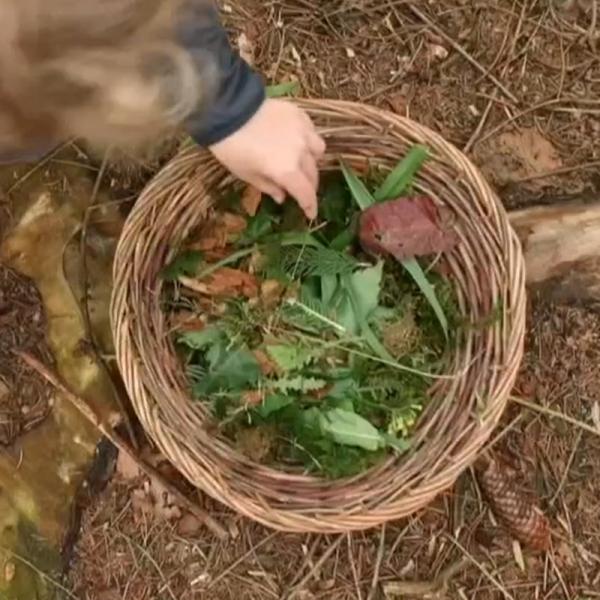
[[523, 519], [267, 366], [218, 232], [253, 397], [271, 291], [322, 393], [225, 282], [251, 200]]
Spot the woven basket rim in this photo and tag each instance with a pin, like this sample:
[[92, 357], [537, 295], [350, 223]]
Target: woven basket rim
[[487, 270]]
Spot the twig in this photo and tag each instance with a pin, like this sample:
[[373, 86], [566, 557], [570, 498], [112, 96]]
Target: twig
[[82, 406], [427, 588], [151, 560], [483, 570], [561, 171], [87, 319], [375, 581], [240, 560], [43, 575], [42, 163], [463, 52], [555, 414], [353, 568], [593, 24], [565, 474], [315, 568]]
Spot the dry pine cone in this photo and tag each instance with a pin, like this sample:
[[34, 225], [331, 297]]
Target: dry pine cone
[[524, 520]]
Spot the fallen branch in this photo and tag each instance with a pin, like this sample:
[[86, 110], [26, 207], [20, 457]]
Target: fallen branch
[[561, 244], [82, 406], [426, 589]]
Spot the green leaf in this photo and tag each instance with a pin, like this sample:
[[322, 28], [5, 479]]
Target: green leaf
[[349, 429], [259, 226], [335, 202], [306, 261], [281, 90], [273, 404], [359, 191], [366, 286], [289, 358], [200, 340], [346, 237], [400, 179], [298, 384], [186, 263], [329, 286], [235, 371], [416, 272], [396, 443], [359, 298]]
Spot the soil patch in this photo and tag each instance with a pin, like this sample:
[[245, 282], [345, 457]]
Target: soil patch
[[25, 398]]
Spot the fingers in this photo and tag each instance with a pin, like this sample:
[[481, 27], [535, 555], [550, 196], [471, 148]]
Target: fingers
[[316, 144], [304, 191], [270, 188], [308, 164]]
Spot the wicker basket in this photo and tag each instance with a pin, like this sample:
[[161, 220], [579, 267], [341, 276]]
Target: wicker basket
[[488, 272]]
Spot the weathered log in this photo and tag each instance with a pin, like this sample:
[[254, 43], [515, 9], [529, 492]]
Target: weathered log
[[561, 244]]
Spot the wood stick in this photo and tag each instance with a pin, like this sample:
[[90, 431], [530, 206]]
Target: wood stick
[[561, 244], [83, 407]]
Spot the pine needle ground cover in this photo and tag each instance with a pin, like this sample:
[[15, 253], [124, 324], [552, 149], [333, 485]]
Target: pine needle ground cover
[[314, 344]]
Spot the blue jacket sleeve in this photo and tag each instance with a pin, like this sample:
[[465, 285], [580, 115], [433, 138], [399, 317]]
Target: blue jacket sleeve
[[239, 91]]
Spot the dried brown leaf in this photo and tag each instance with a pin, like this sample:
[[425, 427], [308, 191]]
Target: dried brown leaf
[[406, 228], [218, 232], [225, 282], [127, 467], [267, 366], [189, 526], [271, 291], [251, 199]]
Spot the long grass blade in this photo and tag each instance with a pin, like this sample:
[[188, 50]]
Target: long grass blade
[[416, 272], [400, 179], [359, 191]]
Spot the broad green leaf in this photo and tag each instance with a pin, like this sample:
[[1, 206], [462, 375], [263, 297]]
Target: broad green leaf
[[236, 371], [329, 285], [281, 90], [416, 272], [359, 191], [289, 358], [349, 429], [366, 286], [400, 179], [200, 340], [186, 263], [273, 404], [359, 298]]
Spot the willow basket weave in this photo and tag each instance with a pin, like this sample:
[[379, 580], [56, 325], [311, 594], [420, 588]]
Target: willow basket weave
[[486, 268]]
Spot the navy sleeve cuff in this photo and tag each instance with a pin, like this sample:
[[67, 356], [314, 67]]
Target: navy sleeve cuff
[[239, 91]]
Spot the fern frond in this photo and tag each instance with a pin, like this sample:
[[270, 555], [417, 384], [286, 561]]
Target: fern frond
[[299, 262]]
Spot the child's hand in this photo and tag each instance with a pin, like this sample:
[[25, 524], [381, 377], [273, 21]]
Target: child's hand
[[277, 152]]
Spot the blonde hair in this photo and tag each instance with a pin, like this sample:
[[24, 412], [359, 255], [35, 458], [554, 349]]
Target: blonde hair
[[110, 71]]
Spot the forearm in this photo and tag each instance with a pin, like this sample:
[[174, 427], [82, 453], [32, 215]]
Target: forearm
[[239, 91]]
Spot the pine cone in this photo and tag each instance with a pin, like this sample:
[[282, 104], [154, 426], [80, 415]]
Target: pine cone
[[523, 519]]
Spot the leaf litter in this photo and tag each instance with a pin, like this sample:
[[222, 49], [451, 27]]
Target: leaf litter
[[319, 343]]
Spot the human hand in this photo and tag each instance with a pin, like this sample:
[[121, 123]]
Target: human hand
[[277, 152]]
